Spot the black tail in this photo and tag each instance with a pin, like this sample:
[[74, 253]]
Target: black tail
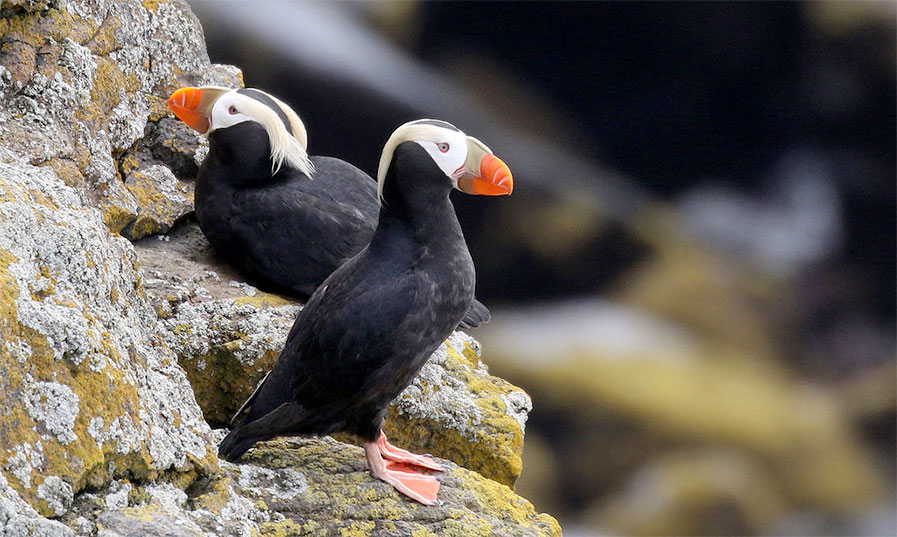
[[476, 315], [288, 418], [235, 445]]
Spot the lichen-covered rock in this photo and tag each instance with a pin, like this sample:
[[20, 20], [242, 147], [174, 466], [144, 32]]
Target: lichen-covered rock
[[101, 427], [226, 333], [456, 410], [161, 199], [18, 518], [87, 388], [227, 340], [84, 82], [313, 487]]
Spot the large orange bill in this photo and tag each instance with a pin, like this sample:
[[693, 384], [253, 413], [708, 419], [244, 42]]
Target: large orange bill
[[193, 106], [494, 178]]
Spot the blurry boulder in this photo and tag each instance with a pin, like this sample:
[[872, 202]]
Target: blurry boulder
[[629, 386], [694, 493], [681, 280]]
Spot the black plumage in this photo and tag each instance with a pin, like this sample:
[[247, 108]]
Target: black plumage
[[365, 334], [284, 230], [367, 330]]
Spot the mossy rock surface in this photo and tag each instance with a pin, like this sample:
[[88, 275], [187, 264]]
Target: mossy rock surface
[[315, 487]]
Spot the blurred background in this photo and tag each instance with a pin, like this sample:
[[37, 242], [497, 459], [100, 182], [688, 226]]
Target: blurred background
[[695, 276]]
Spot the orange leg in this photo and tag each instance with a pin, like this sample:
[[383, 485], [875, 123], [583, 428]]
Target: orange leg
[[396, 454], [421, 488]]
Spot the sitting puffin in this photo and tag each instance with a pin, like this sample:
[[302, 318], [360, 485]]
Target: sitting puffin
[[286, 220], [368, 329]]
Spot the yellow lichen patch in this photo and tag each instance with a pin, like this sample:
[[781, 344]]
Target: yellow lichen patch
[[103, 40], [143, 226], [153, 5], [220, 381], [215, 495], [36, 29], [287, 528], [116, 218], [157, 108], [67, 170], [498, 499], [263, 301], [129, 164], [9, 291], [467, 356], [358, 529], [106, 92]]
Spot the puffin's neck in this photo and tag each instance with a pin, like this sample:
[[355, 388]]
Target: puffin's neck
[[244, 151], [416, 201]]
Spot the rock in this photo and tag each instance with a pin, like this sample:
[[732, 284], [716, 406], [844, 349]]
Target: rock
[[88, 389], [317, 487], [224, 339], [87, 81], [456, 410], [17, 517], [161, 199], [227, 341], [694, 493]]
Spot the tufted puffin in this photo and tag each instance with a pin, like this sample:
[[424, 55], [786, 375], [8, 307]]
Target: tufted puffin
[[286, 220], [367, 330]]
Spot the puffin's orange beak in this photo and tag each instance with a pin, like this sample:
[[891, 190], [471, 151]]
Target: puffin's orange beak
[[494, 178], [191, 106]]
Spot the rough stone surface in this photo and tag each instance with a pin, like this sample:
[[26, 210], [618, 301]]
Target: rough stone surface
[[85, 83], [226, 334], [456, 410], [314, 487], [88, 390]]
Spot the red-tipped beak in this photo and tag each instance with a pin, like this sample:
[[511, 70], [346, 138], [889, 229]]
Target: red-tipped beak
[[494, 179], [187, 104]]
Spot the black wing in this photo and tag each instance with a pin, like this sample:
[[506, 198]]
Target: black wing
[[296, 233]]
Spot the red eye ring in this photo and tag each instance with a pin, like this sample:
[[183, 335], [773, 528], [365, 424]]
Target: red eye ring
[[443, 147], [232, 110]]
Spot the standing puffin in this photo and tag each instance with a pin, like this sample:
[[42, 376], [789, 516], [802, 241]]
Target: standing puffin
[[286, 220], [367, 330]]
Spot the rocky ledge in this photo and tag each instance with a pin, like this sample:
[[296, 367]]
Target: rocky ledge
[[114, 359]]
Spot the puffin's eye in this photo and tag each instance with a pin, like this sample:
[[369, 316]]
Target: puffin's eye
[[232, 110], [444, 147]]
